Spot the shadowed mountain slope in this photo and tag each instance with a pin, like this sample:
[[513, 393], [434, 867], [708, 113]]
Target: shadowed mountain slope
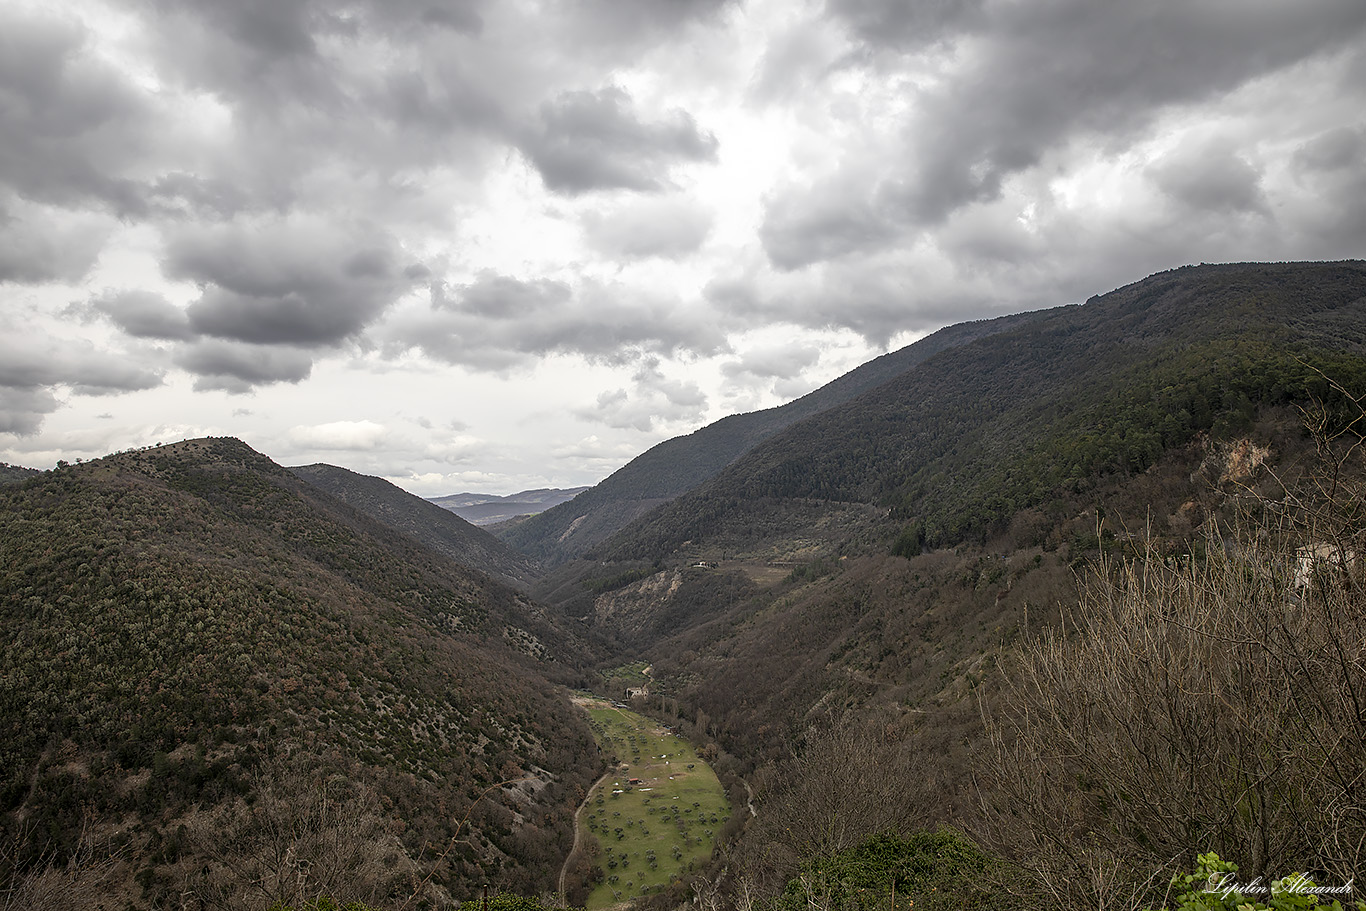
[[13, 473], [439, 529], [961, 445], [182, 622], [680, 464]]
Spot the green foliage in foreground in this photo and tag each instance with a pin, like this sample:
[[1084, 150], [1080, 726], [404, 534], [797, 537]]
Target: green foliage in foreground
[[927, 870], [322, 904], [1214, 886], [503, 901], [506, 901]]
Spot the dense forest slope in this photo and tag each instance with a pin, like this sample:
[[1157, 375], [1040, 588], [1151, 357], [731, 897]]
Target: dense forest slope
[[197, 640], [439, 529], [680, 464], [12, 473]]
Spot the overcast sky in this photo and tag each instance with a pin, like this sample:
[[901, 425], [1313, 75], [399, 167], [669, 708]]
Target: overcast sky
[[489, 245]]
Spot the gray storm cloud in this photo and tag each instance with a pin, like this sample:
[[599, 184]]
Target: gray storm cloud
[[907, 26], [75, 131], [774, 362], [87, 370], [584, 141], [503, 297], [243, 190], [40, 244], [33, 370], [832, 219], [1027, 81], [238, 368], [500, 323], [142, 314], [665, 227], [301, 281], [1210, 178], [22, 410], [642, 23]]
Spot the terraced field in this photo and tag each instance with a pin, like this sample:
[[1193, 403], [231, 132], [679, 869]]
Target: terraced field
[[655, 816]]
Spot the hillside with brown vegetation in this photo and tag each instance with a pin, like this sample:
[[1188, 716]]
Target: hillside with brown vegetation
[[930, 531]]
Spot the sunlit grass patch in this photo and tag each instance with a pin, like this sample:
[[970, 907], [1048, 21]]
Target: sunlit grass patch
[[656, 816]]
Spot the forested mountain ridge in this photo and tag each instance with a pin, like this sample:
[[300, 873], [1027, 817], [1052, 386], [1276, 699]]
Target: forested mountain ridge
[[962, 445], [439, 529], [680, 464], [195, 637]]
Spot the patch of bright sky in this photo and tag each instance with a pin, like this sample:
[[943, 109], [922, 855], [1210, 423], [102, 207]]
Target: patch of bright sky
[[514, 231], [131, 260]]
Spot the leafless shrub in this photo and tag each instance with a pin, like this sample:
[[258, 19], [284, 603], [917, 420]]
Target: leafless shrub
[[855, 777], [299, 838], [1208, 702], [46, 885]]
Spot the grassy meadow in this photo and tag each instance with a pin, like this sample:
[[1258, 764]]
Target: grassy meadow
[[643, 835]]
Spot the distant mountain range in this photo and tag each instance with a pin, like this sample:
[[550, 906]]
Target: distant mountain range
[[490, 509]]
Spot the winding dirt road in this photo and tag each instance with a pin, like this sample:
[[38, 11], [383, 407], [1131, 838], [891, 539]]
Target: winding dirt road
[[578, 829]]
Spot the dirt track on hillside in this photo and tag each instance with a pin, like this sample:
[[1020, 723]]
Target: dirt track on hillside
[[578, 829]]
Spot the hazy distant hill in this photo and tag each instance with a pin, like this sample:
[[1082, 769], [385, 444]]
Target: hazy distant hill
[[489, 509], [680, 464], [438, 528], [181, 621]]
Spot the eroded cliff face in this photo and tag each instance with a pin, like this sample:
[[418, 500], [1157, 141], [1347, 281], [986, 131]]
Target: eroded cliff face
[[635, 605], [1233, 460], [671, 601]]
